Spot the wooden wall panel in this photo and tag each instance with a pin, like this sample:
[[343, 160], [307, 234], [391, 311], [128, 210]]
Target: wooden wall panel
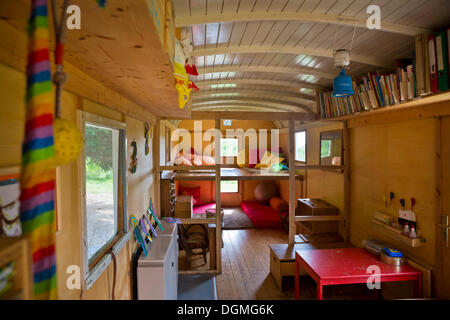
[[399, 158], [68, 240], [12, 110]]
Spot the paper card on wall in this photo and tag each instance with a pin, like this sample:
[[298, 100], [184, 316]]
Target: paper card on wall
[[10, 205]]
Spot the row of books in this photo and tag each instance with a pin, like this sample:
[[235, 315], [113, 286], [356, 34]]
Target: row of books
[[427, 72], [374, 91]]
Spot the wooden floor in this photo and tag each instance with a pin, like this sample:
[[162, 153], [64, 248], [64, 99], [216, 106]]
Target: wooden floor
[[246, 275], [245, 265]]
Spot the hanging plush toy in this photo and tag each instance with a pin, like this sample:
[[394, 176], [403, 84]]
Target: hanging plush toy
[[68, 140], [182, 85]]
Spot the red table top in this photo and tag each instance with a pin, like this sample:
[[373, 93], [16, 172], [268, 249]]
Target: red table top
[[349, 263]]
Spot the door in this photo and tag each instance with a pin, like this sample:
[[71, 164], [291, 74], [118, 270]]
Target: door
[[443, 220]]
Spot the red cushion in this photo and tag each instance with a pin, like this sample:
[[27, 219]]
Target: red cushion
[[261, 215], [202, 208], [194, 192]]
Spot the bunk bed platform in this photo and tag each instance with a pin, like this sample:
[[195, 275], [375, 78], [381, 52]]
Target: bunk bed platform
[[226, 174]]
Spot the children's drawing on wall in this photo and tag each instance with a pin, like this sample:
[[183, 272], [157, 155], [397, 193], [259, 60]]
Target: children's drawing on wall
[[9, 207]]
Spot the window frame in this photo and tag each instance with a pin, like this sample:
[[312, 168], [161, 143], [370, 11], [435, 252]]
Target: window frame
[[229, 159], [306, 147], [92, 270], [234, 192]]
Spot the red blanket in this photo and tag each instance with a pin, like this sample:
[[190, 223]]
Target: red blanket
[[263, 216]]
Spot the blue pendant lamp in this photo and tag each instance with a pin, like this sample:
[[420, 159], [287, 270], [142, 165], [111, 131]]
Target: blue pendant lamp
[[342, 85]]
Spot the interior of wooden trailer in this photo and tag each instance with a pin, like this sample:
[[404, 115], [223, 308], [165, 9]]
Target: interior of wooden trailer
[[203, 149]]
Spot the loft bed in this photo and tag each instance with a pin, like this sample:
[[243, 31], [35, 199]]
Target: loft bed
[[220, 172], [180, 173]]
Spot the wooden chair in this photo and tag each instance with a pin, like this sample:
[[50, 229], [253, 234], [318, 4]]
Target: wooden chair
[[194, 236]]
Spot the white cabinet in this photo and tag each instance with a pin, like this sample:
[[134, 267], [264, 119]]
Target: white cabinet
[[157, 274]]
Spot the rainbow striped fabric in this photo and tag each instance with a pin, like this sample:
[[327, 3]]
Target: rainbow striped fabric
[[38, 173]]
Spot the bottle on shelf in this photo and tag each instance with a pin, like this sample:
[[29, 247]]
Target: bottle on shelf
[[413, 234], [406, 230]]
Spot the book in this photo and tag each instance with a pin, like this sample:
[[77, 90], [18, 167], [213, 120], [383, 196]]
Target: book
[[432, 59], [442, 60]]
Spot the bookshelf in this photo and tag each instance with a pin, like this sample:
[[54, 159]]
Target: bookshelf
[[414, 108]]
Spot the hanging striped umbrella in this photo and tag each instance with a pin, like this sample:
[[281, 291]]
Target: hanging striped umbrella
[[38, 174]]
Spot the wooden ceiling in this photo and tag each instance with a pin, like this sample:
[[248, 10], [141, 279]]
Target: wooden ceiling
[[118, 46], [271, 54]]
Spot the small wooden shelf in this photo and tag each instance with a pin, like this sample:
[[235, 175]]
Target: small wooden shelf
[[396, 234], [414, 106]]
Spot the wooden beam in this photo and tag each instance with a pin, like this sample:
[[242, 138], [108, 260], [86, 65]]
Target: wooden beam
[[270, 116], [263, 82], [218, 199], [319, 167], [310, 125], [157, 163], [366, 59], [318, 218], [264, 101], [347, 186], [220, 93], [284, 70], [246, 107], [295, 16], [292, 226]]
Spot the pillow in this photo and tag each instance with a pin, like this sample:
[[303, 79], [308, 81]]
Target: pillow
[[264, 191], [269, 159], [208, 161], [194, 192], [279, 204], [196, 160], [180, 160], [254, 157], [241, 161]]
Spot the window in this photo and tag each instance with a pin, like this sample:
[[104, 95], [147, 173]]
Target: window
[[300, 146], [103, 181], [229, 186], [325, 148], [229, 147]]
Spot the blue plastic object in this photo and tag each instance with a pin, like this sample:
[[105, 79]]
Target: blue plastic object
[[391, 252], [342, 85]]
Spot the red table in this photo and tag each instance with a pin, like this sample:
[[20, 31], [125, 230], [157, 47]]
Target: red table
[[348, 265]]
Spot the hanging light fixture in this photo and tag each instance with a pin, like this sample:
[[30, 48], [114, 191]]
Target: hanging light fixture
[[342, 84]]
